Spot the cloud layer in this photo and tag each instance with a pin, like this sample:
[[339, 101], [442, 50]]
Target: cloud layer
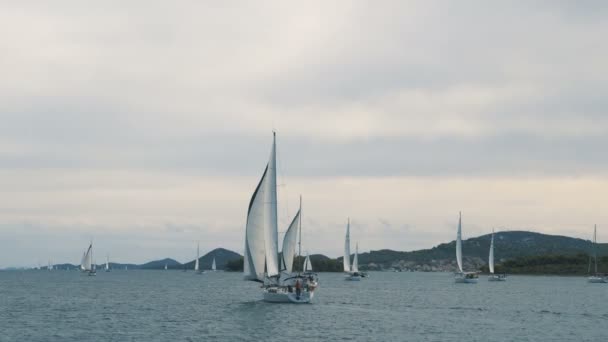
[[152, 120]]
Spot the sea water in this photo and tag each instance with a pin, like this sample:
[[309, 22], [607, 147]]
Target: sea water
[[184, 306]]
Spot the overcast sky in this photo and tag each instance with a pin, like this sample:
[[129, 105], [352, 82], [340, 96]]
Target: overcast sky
[[146, 125]]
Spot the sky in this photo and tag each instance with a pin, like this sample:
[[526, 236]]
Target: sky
[[145, 125]]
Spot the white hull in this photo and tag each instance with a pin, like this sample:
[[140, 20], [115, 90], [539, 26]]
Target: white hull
[[465, 278], [494, 277], [596, 280], [281, 295]]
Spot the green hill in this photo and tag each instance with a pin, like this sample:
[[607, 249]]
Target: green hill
[[508, 245], [222, 257]]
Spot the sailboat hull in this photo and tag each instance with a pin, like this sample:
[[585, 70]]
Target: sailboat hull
[[352, 277], [281, 295], [596, 280], [465, 278], [495, 277]]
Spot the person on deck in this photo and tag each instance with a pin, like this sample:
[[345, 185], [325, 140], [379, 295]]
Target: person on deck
[[298, 288]]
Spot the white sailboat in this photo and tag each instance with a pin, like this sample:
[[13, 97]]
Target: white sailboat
[[87, 265], [461, 276], [196, 263], [492, 276], [351, 270], [107, 268], [166, 267], [594, 277], [262, 262], [213, 267], [307, 267]]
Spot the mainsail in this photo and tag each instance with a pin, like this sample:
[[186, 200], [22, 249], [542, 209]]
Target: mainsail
[[107, 262], [347, 248], [356, 259], [289, 244], [261, 236], [197, 257], [459, 243], [491, 258], [88, 259], [213, 265], [594, 251], [82, 261]]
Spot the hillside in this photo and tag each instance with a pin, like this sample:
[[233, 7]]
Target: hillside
[[508, 245], [160, 264], [222, 257]]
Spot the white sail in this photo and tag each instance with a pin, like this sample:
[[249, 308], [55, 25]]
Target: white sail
[[261, 241], [166, 267], [595, 247], [213, 267], [289, 243], [459, 243], [307, 265], [88, 259], [82, 261], [107, 262], [197, 257], [271, 234], [346, 260], [355, 266], [491, 258]]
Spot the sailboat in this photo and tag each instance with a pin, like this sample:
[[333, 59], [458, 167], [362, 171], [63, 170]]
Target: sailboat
[[165, 267], [213, 267], [492, 276], [107, 268], [461, 276], [595, 277], [307, 267], [351, 270], [196, 263], [262, 261], [86, 265]]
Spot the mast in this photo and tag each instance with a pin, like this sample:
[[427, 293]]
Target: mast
[[346, 260], [300, 239], [271, 228], [459, 243], [595, 247], [491, 261]]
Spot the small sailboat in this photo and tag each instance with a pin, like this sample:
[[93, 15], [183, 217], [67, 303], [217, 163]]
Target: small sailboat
[[213, 267], [86, 264], [196, 263], [594, 277], [307, 267], [107, 268], [166, 267], [461, 276], [262, 261], [351, 270], [492, 276]]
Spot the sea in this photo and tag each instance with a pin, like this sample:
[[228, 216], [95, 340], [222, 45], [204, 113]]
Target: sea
[[137, 305]]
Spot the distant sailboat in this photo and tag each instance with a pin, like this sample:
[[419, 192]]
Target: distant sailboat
[[87, 265], [351, 270], [213, 267], [107, 263], [262, 261], [461, 276], [166, 267], [594, 277], [307, 267], [196, 263], [492, 276]]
